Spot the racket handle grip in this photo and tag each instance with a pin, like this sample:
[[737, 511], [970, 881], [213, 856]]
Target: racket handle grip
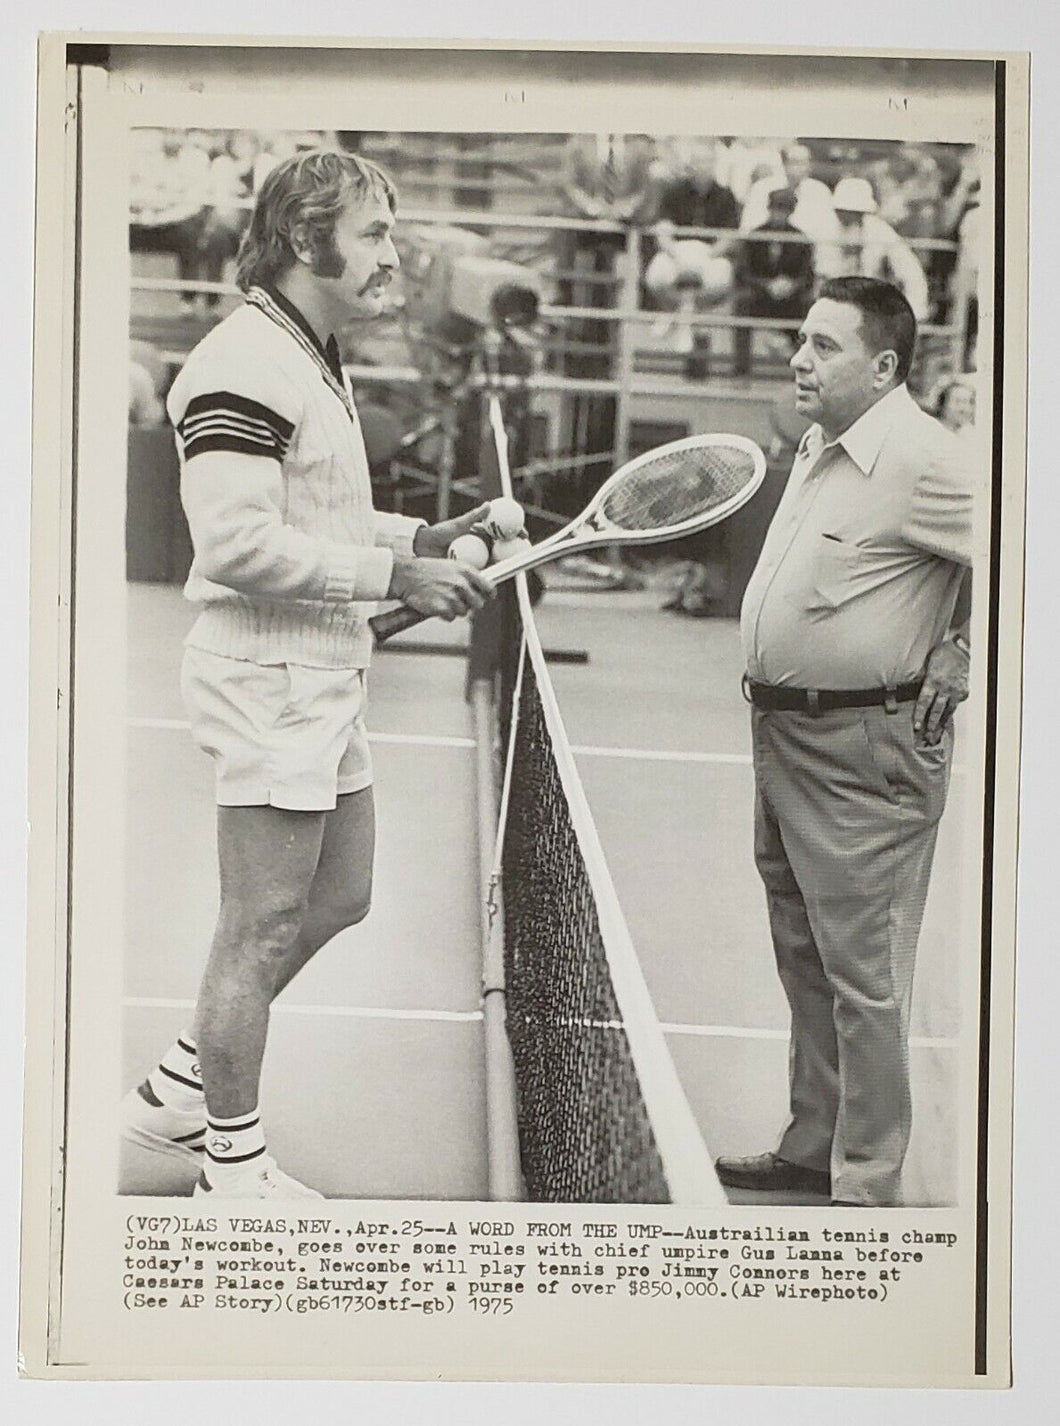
[[384, 626]]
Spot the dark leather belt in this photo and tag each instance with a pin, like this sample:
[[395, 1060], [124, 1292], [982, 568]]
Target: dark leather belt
[[822, 700]]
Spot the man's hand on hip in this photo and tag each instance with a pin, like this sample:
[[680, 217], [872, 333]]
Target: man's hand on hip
[[443, 588], [945, 685], [434, 540]]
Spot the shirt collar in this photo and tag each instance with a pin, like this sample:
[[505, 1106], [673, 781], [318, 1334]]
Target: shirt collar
[[863, 440]]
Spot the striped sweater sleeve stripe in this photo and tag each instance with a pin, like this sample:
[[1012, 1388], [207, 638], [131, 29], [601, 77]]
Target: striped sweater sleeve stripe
[[223, 421]]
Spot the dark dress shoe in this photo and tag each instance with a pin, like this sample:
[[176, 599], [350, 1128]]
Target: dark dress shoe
[[769, 1174]]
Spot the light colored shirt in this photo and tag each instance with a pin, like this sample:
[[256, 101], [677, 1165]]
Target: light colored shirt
[[861, 565], [878, 251]]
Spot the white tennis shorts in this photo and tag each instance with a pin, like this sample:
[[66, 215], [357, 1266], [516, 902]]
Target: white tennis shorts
[[280, 735]]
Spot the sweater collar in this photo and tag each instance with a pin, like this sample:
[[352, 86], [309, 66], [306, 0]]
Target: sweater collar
[[285, 314]]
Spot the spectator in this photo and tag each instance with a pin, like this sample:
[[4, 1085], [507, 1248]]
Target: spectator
[[957, 272], [908, 186], [774, 277], [869, 247], [232, 186], [814, 209], [743, 162], [953, 403], [608, 177], [168, 197], [690, 274]]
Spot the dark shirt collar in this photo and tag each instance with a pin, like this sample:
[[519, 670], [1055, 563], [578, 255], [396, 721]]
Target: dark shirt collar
[[329, 351]]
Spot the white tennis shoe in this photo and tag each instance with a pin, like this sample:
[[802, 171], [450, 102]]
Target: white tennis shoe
[[265, 1180], [174, 1133]]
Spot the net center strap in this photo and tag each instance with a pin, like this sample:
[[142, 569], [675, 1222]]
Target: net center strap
[[497, 864]]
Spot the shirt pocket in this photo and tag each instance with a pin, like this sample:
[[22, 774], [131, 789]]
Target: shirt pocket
[[834, 572]]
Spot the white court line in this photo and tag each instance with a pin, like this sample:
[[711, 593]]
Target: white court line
[[744, 1032], [364, 1012], [651, 755], [360, 1012], [423, 740], [582, 750]]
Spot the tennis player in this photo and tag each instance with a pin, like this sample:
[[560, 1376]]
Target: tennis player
[[289, 556]]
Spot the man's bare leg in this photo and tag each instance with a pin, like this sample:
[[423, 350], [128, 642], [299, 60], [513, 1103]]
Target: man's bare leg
[[341, 894], [268, 859]]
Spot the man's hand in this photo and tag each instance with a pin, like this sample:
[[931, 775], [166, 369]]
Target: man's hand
[[434, 540], [945, 685], [443, 588]]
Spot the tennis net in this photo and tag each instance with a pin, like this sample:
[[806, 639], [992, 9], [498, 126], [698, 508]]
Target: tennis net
[[602, 1117]]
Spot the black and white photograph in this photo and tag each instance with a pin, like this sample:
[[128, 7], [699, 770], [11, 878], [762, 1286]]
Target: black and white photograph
[[541, 527], [639, 313]]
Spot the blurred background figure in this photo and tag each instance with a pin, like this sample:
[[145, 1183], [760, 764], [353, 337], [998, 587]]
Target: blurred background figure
[[687, 275], [953, 404], [869, 247], [814, 212], [147, 373], [908, 187], [958, 272], [168, 198], [774, 277], [607, 176], [743, 162], [233, 181], [604, 177]]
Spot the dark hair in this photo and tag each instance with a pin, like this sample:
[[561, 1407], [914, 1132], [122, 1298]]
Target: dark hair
[[310, 189], [887, 321], [785, 199]]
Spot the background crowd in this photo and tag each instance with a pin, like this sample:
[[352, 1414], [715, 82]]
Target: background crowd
[[684, 260]]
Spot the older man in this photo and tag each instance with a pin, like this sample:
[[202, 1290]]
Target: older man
[[289, 554], [853, 673]]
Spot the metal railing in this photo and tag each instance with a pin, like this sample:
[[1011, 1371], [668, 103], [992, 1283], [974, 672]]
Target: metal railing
[[626, 316]]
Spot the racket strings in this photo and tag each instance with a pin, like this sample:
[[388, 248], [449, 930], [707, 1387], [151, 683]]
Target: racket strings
[[678, 486]]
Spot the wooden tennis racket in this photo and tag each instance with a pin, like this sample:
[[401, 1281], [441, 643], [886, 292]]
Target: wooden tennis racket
[[664, 494]]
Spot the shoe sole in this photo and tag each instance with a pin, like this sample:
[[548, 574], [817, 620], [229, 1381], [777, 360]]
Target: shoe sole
[[765, 1185], [205, 1191]]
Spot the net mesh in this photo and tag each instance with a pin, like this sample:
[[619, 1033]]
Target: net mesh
[[587, 1131], [678, 486]]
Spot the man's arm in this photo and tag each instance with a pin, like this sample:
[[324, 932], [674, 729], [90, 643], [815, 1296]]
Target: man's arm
[[908, 273], [233, 501]]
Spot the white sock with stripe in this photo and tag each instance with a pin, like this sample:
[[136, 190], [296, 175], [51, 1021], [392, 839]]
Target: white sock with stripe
[[235, 1150], [177, 1080]]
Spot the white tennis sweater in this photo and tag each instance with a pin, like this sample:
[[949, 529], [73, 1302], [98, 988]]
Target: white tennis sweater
[[289, 554]]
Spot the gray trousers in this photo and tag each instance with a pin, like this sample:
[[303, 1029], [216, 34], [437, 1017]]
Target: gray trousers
[[846, 816]]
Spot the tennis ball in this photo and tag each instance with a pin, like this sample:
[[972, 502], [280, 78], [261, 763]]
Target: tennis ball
[[505, 519], [470, 550], [505, 549]]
